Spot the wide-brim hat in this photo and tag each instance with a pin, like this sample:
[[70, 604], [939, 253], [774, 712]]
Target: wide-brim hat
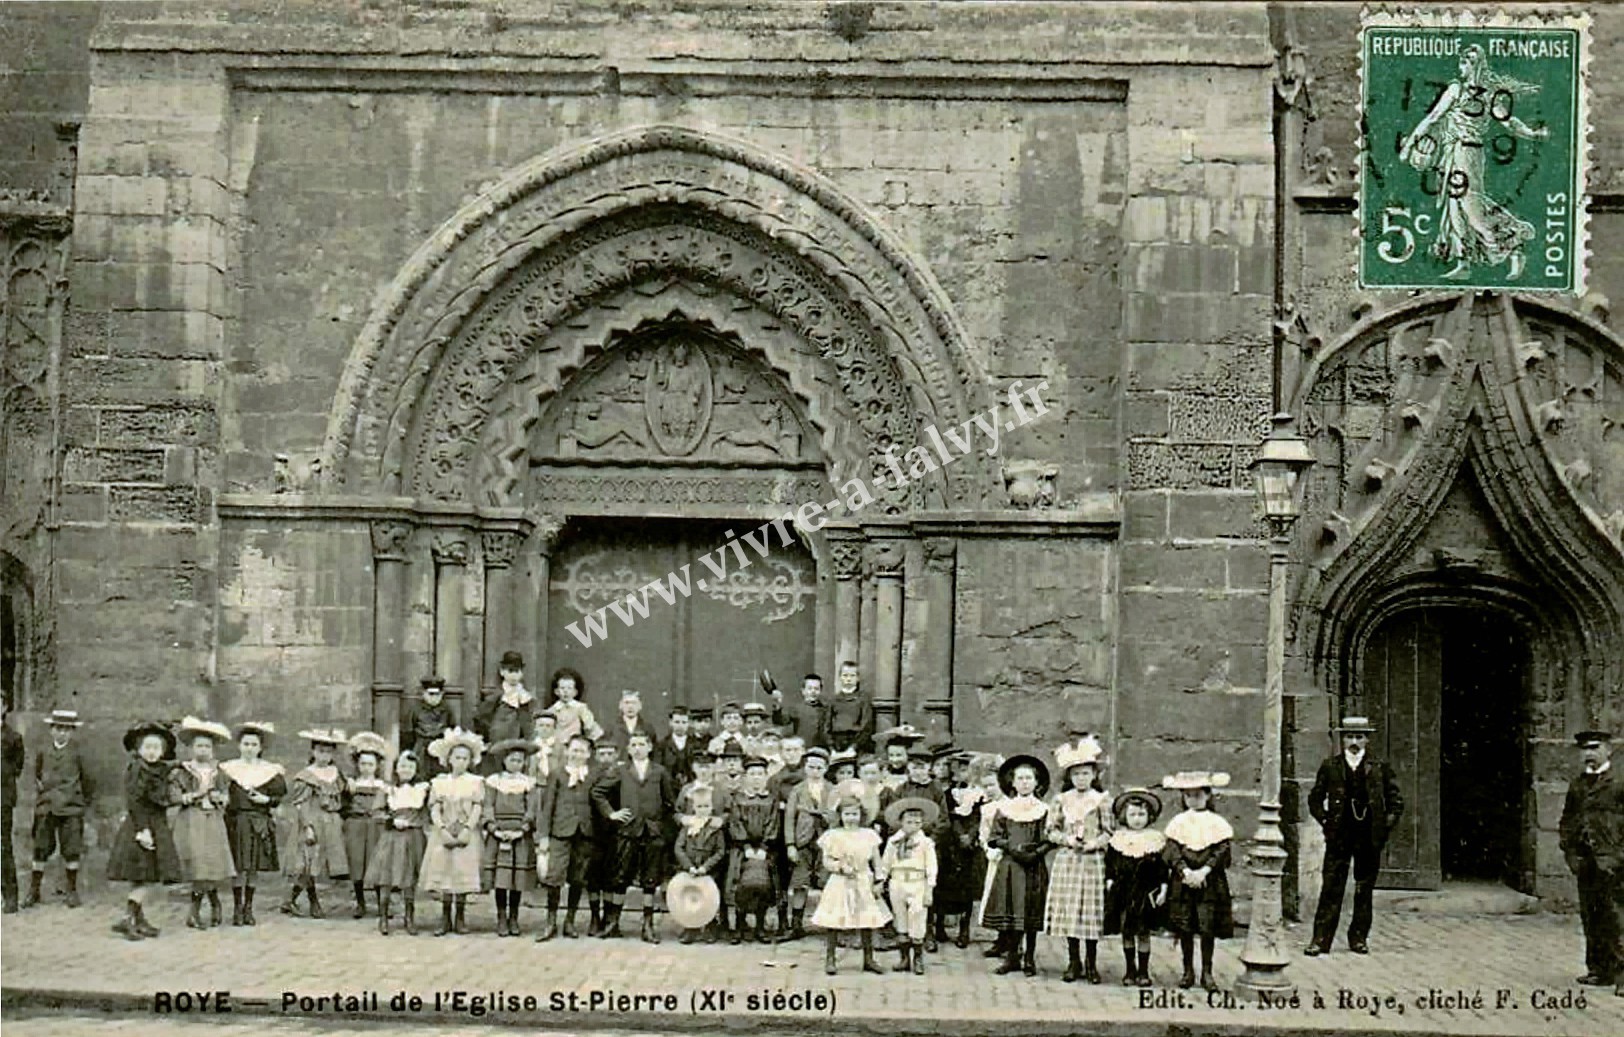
[[1143, 796], [902, 734], [323, 735], [1187, 781], [64, 718], [1593, 737], [369, 742], [1006, 773], [263, 728], [1356, 726], [190, 727], [133, 736], [693, 900], [756, 761], [441, 747], [499, 750], [920, 752], [816, 752], [894, 812]]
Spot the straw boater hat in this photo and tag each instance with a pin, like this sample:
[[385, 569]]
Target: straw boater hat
[[191, 727], [1075, 754], [902, 734], [816, 752], [1356, 726], [264, 728], [441, 747], [133, 737], [693, 900], [499, 750], [64, 718], [323, 735], [1143, 796], [753, 709], [1006, 773], [369, 742], [894, 812], [1187, 781]]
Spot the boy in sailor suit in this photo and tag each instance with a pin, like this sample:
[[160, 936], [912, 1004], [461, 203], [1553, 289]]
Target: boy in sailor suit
[[909, 867]]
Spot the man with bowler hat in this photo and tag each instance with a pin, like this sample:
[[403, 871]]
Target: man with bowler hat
[[1357, 803], [1592, 840]]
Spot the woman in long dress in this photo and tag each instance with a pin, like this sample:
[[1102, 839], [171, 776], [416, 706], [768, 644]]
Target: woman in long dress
[[851, 858], [256, 786], [198, 789]]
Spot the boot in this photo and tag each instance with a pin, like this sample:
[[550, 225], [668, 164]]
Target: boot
[[501, 913], [963, 940], [360, 901], [550, 930], [735, 935], [142, 926], [1144, 968], [1012, 956], [461, 923], [688, 936], [797, 924], [1091, 970], [383, 911], [999, 948], [315, 901], [445, 915], [1187, 948], [1130, 974], [72, 875], [596, 926], [919, 964], [1207, 982], [126, 926], [236, 905], [936, 936], [611, 921], [514, 899], [409, 910], [215, 911], [569, 925], [904, 957], [782, 933], [290, 906], [248, 906], [830, 940], [761, 923], [869, 964], [193, 918], [1029, 963], [652, 935], [31, 898], [1074, 963], [713, 932]]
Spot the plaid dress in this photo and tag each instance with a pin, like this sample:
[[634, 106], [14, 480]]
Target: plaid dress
[[1076, 904]]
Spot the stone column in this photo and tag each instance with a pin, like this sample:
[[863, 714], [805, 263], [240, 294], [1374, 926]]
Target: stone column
[[847, 556], [499, 550], [886, 560], [928, 689], [389, 540], [530, 598], [450, 551]]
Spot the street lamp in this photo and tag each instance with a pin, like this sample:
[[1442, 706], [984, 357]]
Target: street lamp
[[1280, 464]]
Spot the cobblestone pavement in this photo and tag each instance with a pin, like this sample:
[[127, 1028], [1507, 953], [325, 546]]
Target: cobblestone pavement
[[1425, 975]]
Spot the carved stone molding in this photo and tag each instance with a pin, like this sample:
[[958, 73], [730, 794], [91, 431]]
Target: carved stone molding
[[941, 554], [449, 549], [499, 549], [545, 527], [389, 540], [886, 558], [847, 556]]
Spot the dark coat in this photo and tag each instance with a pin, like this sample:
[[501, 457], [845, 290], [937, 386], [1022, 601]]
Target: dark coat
[[650, 800], [1328, 803], [61, 780], [496, 721], [802, 718], [1592, 825], [850, 720], [616, 731], [566, 813], [680, 762]]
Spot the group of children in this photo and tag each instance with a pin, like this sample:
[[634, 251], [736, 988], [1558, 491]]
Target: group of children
[[897, 844]]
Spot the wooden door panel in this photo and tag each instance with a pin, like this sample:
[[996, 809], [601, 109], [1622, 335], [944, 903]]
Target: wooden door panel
[[1402, 684]]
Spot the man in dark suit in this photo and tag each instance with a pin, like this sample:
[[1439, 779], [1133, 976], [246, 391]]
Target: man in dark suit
[[646, 795], [1357, 803], [676, 751], [807, 717], [565, 828], [629, 721], [1592, 840]]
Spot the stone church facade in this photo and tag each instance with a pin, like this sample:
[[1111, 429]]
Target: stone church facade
[[347, 343]]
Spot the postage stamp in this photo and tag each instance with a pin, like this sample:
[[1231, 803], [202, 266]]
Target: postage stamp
[[1474, 141]]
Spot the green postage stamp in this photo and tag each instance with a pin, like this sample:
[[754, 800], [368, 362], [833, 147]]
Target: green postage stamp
[[1474, 139]]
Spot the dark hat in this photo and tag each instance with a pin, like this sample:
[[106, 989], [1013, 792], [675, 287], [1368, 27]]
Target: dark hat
[[678, 711], [133, 736], [766, 681], [1356, 726], [920, 752], [943, 750], [263, 728], [817, 752], [1006, 774], [511, 745], [753, 709], [1143, 796], [701, 712], [435, 681], [902, 734], [730, 707], [752, 762], [510, 661], [731, 748], [1584, 738]]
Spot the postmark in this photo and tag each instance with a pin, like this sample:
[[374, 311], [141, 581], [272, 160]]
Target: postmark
[[1474, 147]]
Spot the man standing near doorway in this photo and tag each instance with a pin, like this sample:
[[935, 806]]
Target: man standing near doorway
[[1357, 803], [1592, 840]]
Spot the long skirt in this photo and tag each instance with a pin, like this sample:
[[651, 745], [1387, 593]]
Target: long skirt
[[397, 860], [450, 869], [130, 862], [360, 843], [1018, 895], [1076, 903], [509, 865], [325, 858], [202, 845], [849, 902], [253, 841]]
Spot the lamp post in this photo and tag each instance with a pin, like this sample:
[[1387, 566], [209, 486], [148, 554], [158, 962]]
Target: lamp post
[[1280, 463]]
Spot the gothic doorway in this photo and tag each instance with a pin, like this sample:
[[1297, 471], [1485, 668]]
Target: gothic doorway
[[706, 647], [1449, 688]]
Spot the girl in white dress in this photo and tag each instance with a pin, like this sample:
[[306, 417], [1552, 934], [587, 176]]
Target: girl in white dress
[[851, 856], [452, 858]]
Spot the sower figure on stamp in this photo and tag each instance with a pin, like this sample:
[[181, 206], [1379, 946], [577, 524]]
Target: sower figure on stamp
[[1356, 801], [1592, 840]]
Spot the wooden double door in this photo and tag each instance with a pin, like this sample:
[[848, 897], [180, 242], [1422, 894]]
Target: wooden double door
[[1448, 690], [702, 649]]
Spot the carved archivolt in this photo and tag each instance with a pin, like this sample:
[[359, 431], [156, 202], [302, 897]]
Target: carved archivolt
[[1526, 396], [521, 264]]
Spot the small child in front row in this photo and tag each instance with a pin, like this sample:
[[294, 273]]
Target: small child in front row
[[199, 824], [1135, 880], [851, 858], [1197, 853], [909, 869], [451, 859], [1080, 825], [364, 812], [565, 827], [509, 817], [315, 847], [143, 851], [701, 842], [398, 858], [1020, 884]]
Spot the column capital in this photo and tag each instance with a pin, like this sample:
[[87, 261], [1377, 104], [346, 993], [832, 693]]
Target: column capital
[[940, 554], [389, 540], [545, 527], [885, 558], [847, 556], [499, 548], [449, 548]]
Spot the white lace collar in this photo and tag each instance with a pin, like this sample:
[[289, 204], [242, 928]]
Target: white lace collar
[[251, 775], [324, 775], [367, 784], [1024, 809], [1140, 842], [1076, 803], [409, 797], [1199, 829], [511, 784], [518, 697]]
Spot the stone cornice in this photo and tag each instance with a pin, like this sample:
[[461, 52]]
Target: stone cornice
[[354, 508], [1096, 515]]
